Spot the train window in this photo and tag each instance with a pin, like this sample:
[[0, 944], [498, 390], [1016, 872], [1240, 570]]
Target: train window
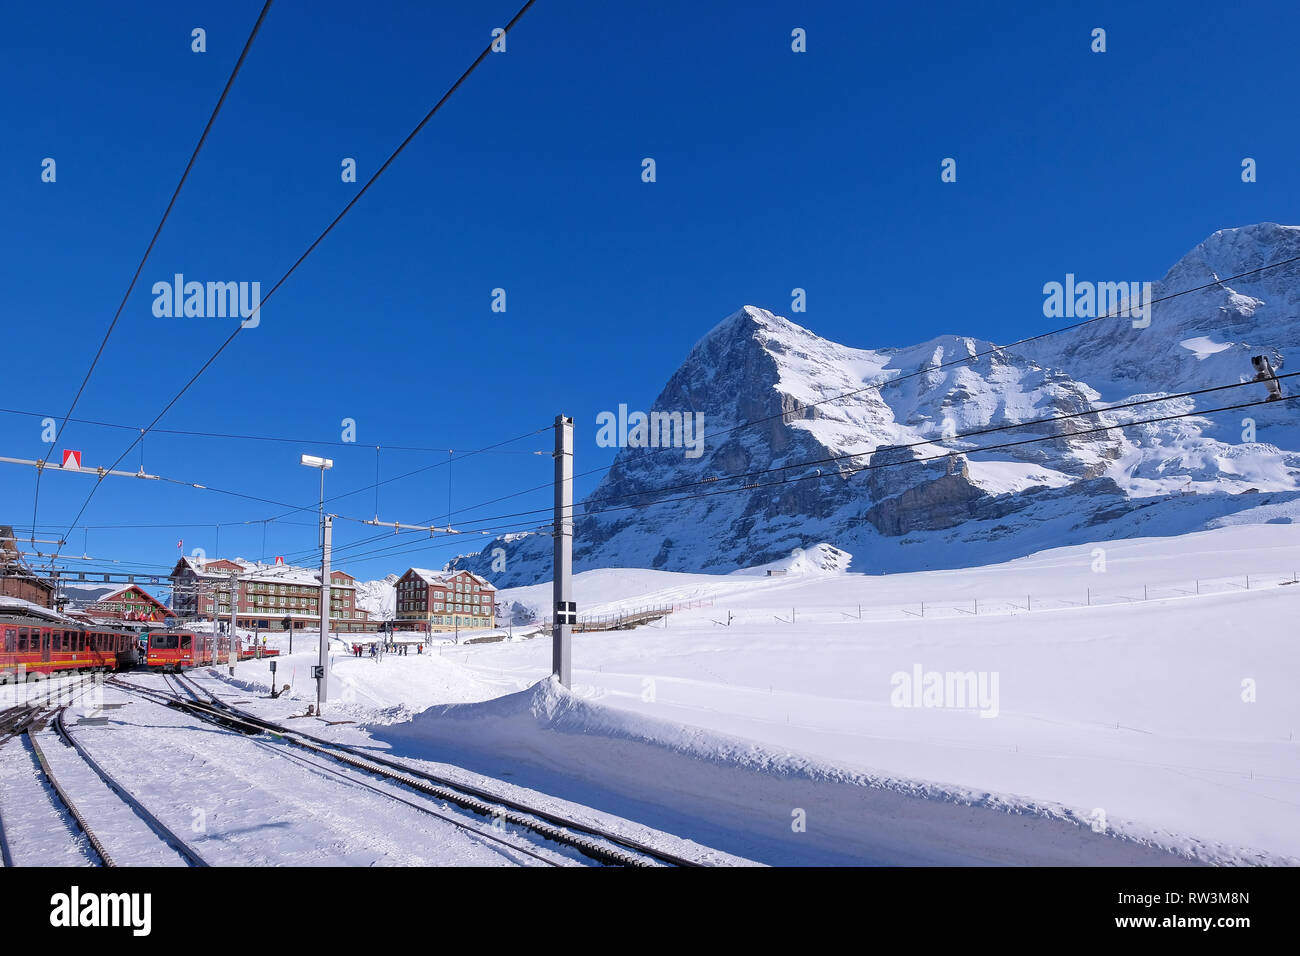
[[185, 643], [11, 640], [24, 639]]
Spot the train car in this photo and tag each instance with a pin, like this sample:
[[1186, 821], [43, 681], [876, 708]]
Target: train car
[[172, 650], [175, 650], [32, 647]]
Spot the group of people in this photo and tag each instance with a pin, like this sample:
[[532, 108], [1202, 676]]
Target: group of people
[[402, 650]]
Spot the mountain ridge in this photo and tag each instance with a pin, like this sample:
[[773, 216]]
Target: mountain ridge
[[765, 387]]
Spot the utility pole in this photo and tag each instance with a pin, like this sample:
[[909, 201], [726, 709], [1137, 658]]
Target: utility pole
[[566, 612], [323, 682], [326, 536], [234, 605]]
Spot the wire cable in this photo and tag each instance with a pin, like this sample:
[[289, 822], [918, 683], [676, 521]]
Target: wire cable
[[311, 248]]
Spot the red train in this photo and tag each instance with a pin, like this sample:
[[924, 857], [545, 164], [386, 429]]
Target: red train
[[31, 646], [177, 650]]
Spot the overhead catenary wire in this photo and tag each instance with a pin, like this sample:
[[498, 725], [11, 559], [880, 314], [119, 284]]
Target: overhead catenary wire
[[243, 54], [493, 527], [946, 453], [283, 504], [318, 240], [393, 549], [345, 550], [1030, 423], [747, 424], [437, 540]]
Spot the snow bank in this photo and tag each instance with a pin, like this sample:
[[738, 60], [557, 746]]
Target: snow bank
[[741, 797]]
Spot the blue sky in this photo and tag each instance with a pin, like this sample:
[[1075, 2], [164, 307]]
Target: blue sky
[[775, 170]]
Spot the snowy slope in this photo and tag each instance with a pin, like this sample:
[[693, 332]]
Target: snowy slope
[[1135, 706]]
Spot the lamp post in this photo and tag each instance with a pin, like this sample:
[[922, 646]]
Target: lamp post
[[326, 533]]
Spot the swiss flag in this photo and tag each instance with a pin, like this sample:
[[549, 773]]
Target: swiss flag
[[71, 459]]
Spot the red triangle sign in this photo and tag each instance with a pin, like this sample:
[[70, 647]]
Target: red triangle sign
[[71, 459]]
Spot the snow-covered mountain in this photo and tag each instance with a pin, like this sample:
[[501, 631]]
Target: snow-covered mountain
[[379, 598], [84, 594], [878, 470]]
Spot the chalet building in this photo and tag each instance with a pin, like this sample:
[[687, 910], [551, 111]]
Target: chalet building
[[444, 600], [17, 579], [267, 596], [132, 603]]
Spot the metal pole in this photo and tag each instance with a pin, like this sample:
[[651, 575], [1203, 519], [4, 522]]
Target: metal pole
[[327, 537], [233, 656], [565, 610]]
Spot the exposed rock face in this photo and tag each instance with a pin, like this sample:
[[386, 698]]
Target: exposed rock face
[[808, 441], [942, 496]]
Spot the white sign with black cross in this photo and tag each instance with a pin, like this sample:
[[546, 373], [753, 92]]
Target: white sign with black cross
[[566, 612]]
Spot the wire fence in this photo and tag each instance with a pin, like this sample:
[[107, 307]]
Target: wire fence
[[1103, 594]]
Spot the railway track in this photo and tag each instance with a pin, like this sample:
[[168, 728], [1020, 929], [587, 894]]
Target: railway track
[[14, 721], [95, 843], [166, 834], [41, 695], [19, 721], [330, 767], [25, 720], [592, 841]]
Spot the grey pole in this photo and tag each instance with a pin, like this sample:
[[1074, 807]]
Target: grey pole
[[565, 611], [327, 537], [234, 604]]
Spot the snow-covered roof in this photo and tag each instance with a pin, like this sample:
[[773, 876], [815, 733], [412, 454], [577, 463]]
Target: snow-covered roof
[[442, 577], [16, 605], [258, 571]]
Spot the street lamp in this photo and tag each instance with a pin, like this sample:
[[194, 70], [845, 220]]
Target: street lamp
[[326, 530]]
